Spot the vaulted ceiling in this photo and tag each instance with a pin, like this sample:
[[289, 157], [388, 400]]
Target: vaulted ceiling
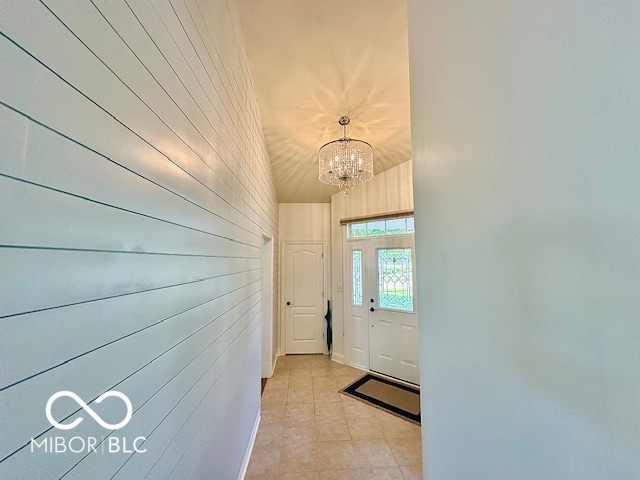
[[313, 61]]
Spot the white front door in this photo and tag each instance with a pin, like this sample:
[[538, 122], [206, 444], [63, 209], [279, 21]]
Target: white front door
[[304, 297], [381, 307]]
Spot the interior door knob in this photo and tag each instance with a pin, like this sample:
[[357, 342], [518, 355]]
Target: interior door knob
[[288, 303], [372, 309]]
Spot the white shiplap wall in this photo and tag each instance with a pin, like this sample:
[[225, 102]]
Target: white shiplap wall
[[135, 188]]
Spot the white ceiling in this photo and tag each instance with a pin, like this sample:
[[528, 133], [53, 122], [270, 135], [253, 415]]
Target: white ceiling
[[313, 61]]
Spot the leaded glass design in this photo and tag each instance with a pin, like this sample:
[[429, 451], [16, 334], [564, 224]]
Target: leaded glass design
[[395, 279], [356, 276], [379, 228]]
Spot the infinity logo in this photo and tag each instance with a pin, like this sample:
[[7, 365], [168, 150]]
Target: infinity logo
[[89, 410]]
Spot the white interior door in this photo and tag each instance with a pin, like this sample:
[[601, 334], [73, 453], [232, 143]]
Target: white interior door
[[304, 297], [393, 333]]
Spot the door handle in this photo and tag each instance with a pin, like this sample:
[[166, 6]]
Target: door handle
[[372, 309], [288, 303]]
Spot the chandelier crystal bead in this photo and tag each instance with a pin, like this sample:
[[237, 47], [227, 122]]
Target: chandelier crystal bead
[[345, 162]]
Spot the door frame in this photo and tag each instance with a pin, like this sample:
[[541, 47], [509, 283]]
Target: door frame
[[281, 288], [346, 281], [268, 349]]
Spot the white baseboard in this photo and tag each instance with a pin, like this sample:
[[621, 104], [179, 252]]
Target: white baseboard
[[247, 455], [359, 367], [337, 357], [270, 368]]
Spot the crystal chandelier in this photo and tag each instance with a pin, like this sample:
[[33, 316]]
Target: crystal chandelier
[[345, 162]]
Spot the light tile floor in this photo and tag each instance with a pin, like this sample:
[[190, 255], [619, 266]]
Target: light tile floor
[[309, 431]]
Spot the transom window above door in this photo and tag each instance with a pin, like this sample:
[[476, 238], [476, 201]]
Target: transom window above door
[[379, 228]]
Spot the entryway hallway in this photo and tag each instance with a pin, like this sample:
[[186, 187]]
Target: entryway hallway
[[309, 431]]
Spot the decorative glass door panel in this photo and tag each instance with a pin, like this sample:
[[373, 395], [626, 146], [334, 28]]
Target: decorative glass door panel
[[356, 277], [395, 279]]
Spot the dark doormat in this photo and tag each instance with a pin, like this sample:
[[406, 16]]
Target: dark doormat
[[393, 397]]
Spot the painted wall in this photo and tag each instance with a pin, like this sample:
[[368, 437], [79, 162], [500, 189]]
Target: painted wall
[[526, 165], [388, 192], [304, 222], [135, 187]]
